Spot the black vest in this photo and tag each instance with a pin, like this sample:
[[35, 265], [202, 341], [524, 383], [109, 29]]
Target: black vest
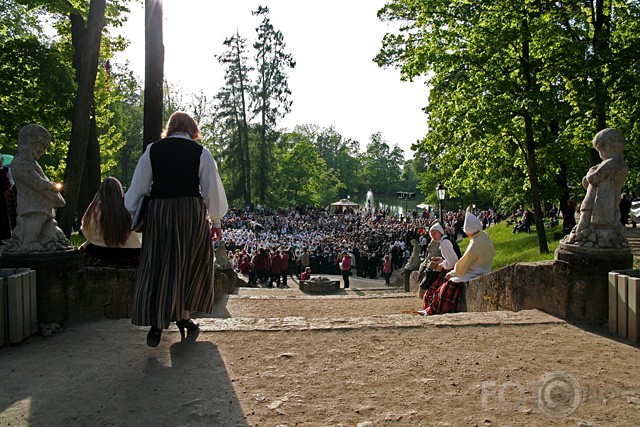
[[175, 163]]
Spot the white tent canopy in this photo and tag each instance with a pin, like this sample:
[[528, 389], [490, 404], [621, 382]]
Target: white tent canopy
[[344, 202]]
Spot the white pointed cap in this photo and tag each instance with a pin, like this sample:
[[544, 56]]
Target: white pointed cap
[[471, 224]]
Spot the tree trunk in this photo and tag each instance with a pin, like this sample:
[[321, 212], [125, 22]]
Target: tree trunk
[[601, 51], [245, 128], [532, 168], [86, 41], [153, 72], [91, 177]]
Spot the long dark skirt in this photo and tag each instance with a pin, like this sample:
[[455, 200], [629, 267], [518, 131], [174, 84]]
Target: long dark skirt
[[176, 264]]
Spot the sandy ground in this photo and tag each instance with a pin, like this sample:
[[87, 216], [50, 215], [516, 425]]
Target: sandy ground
[[465, 370]]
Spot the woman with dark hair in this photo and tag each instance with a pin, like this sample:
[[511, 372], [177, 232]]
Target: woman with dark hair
[[106, 225], [175, 275]]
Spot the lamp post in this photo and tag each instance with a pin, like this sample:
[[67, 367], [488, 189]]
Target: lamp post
[[442, 192]]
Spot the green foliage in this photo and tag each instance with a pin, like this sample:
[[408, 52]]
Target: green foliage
[[519, 247], [382, 165], [512, 106], [303, 177], [126, 116], [37, 88]]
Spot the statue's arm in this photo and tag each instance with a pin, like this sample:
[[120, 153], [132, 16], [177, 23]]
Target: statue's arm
[[602, 172], [29, 176]]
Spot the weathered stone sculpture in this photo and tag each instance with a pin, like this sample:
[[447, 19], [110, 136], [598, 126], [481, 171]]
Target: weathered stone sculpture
[[36, 228], [414, 261], [599, 226], [221, 259]]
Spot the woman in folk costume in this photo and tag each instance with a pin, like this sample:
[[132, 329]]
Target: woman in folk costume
[[475, 262], [442, 264], [176, 264], [106, 224]]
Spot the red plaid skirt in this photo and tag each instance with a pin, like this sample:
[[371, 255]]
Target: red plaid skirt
[[447, 299], [431, 291]]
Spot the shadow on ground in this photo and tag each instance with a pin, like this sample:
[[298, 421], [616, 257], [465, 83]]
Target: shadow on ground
[[104, 374]]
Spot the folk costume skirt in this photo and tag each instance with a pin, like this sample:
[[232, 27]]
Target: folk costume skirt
[[447, 298], [176, 263]]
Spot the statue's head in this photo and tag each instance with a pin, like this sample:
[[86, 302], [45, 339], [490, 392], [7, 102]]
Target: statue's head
[[33, 140], [608, 142]]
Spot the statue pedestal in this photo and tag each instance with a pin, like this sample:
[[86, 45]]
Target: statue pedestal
[[586, 271], [52, 269]]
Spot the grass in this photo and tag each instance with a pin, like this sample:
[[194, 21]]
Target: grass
[[76, 239], [519, 247]]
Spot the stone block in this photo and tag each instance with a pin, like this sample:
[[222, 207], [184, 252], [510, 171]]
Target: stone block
[[52, 269], [577, 291], [319, 287], [613, 303], [622, 305], [98, 292], [633, 315]]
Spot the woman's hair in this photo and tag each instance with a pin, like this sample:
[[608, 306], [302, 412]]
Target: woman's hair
[[181, 122], [115, 220]]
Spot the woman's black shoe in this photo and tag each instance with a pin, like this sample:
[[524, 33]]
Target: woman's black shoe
[[153, 337], [188, 325]]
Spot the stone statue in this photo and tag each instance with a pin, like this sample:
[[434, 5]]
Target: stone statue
[[36, 229], [414, 261], [599, 226], [221, 259]]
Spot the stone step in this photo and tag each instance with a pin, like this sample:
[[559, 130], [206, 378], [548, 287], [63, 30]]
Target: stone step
[[301, 323], [293, 303]]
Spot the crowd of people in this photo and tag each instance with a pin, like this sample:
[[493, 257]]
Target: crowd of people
[[318, 238]]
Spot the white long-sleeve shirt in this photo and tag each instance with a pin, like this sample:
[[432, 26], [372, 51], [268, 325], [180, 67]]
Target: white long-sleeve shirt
[[477, 259], [448, 254], [211, 187]]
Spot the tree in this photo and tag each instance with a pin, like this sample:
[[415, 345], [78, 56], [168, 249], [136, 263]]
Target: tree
[[127, 117], [85, 36], [488, 98], [270, 94], [153, 70], [83, 30], [339, 153], [381, 164], [303, 177], [37, 88], [232, 113]]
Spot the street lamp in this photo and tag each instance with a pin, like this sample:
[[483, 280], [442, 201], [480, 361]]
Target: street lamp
[[442, 192]]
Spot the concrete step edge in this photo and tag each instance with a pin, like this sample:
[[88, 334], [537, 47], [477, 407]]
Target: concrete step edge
[[484, 319]]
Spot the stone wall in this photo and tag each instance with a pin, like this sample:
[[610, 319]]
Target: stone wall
[[520, 286], [568, 290], [92, 293], [98, 292]]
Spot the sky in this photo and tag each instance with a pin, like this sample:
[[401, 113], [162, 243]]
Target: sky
[[335, 81]]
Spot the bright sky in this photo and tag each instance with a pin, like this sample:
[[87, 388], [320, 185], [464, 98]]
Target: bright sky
[[335, 82]]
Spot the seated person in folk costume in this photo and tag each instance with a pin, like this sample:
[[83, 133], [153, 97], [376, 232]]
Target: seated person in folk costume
[[306, 274], [107, 227], [439, 266], [475, 262]]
